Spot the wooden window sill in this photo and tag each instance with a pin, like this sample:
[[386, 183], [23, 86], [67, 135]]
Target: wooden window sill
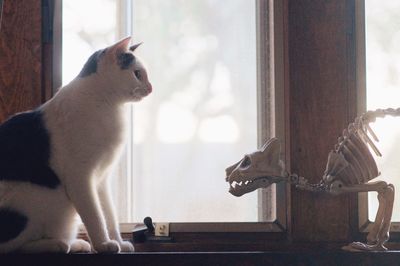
[[289, 255]]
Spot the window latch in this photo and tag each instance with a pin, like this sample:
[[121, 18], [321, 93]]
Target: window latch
[[150, 232]]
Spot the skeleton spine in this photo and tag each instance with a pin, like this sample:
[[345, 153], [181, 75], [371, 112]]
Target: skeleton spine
[[358, 132]]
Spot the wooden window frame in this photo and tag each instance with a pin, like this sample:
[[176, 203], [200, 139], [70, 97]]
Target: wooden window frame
[[269, 67]]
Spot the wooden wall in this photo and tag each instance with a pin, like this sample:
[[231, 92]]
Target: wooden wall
[[20, 57]]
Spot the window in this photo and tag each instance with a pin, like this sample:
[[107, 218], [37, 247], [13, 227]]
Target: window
[[202, 116], [383, 89], [318, 48]]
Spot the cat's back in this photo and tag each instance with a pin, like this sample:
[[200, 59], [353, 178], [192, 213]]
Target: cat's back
[[25, 150]]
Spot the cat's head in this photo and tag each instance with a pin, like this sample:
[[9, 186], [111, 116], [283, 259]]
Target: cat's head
[[120, 71]]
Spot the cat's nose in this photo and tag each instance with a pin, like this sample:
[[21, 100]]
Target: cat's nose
[[150, 88]]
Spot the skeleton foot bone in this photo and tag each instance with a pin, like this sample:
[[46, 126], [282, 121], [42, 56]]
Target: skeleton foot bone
[[359, 246]]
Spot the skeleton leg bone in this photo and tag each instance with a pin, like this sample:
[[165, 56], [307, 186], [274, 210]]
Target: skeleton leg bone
[[379, 233], [385, 227], [372, 237]]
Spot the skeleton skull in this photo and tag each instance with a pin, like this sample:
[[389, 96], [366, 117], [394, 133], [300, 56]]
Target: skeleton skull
[[256, 170]]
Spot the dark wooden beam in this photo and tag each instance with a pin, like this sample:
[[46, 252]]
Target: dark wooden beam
[[322, 100]]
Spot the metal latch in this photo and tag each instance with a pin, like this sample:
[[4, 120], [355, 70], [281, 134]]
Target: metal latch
[[149, 232]]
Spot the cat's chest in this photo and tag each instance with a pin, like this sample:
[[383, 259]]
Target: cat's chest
[[94, 138], [108, 131], [108, 139], [106, 136]]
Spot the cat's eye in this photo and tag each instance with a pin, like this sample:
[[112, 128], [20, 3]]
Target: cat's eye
[[138, 74]]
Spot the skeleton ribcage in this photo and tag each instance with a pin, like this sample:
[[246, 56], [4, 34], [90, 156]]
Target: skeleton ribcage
[[351, 162]]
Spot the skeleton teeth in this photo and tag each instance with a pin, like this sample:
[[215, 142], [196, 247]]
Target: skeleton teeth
[[244, 183], [236, 184]]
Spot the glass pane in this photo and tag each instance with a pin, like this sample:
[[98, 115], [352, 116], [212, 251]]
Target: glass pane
[[85, 32], [201, 117], [201, 56], [383, 89]]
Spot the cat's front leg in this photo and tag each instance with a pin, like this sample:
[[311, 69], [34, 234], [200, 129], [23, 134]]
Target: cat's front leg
[[84, 196], [111, 218]]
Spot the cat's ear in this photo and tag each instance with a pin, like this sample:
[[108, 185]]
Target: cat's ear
[[133, 47], [121, 46]]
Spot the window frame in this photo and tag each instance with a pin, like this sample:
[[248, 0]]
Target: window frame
[[364, 223], [288, 27], [290, 246], [267, 99]]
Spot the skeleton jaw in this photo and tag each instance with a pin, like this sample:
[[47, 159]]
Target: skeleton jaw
[[239, 188]]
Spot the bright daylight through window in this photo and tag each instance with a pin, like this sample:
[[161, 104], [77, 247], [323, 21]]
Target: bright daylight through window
[[383, 89], [201, 116]]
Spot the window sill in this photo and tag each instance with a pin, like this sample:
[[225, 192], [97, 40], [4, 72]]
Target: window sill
[[289, 255]]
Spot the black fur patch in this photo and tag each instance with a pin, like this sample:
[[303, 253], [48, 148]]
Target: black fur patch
[[12, 224], [125, 60], [90, 66], [25, 150]]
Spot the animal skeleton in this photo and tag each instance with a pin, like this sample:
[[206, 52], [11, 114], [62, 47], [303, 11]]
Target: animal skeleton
[[349, 169]]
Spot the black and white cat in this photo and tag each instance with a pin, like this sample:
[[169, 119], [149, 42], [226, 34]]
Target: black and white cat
[[55, 160]]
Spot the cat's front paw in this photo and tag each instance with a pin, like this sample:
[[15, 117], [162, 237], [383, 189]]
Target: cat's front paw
[[80, 246], [126, 246], [110, 246]]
